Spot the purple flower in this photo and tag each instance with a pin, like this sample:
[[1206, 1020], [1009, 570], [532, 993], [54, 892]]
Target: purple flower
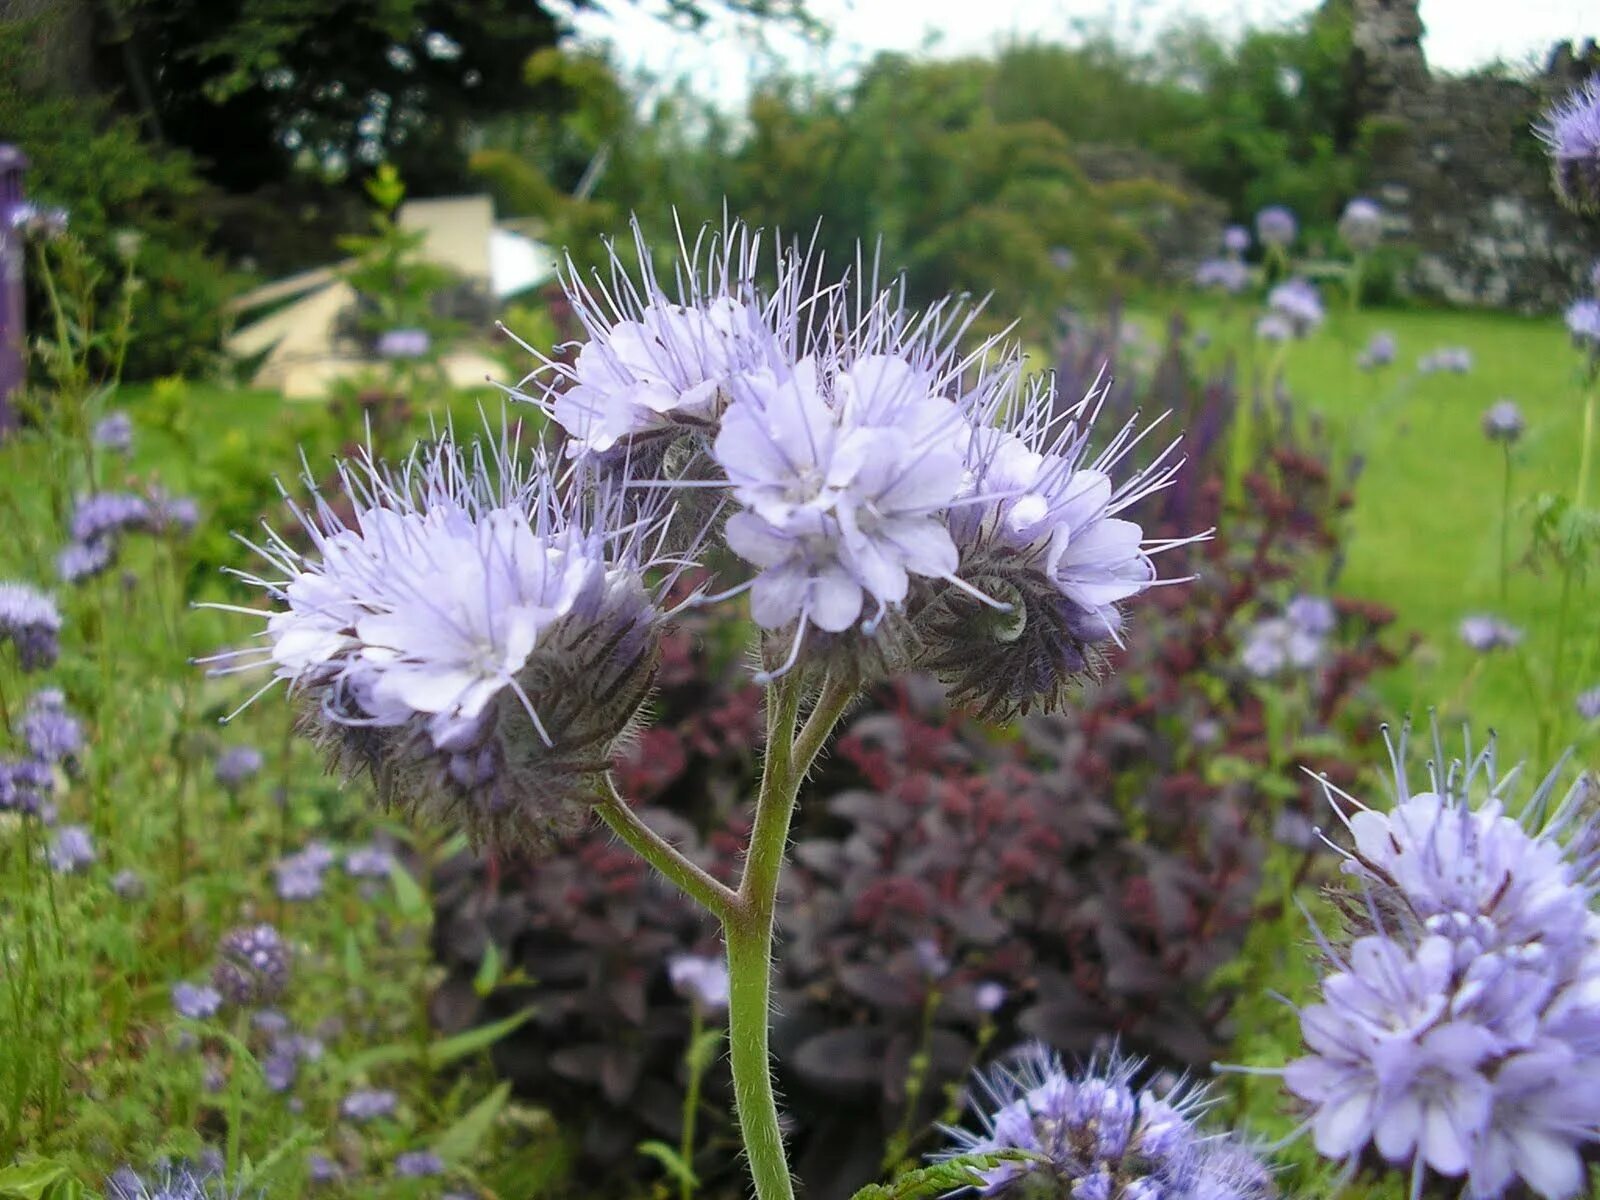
[[1486, 633], [1228, 275], [49, 731], [128, 884], [989, 997], [1461, 1032], [1571, 132], [114, 432], [26, 785], [1235, 240], [1275, 327], [368, 1104], [418, 1164], [1583, 323], [199, 1180], [1313, 614], [253, 966], [404, 343], [299, 876], [700, 978], [107, 514], [71, 849], [1361, 225], [322, 1169], [1095, 1134], [1588, 704], [30, 621], [495, 627], [196, 1001], [1297, 301], [1502, 422], [1455, 360], [1380, 352], [1276, 226], [1275, 645], [236, 765], [369, 862], [84, 560]]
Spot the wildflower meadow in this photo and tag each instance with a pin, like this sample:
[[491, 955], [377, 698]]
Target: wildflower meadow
[[1016, 625]]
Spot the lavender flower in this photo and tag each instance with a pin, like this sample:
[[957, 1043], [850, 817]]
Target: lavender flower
[[418, 1164], [1380, 352], [1455, 360], [1228, 275], [196, 1001], [1460, 1033], [1485, 633], [1313, 614], [84, 560], [108, 514], [989, 997], [299, 876], [253, 966], [478, 638], [1276, 227], [1095, 1136], [181, 1181], [30, 621], [1276, 645], [322, 1169], [1502, 422], [50, 732], [368, 1104], [281, 1066], [369, 862], [404, 343], [1235, 240], [1583, 323], [1297, 301], [1571, 132], [1361, 225], [236, 766], [26, 785], [114, 432], [1588, 704], [1275, 327], [71, 849], [700, 978], [128, 884]]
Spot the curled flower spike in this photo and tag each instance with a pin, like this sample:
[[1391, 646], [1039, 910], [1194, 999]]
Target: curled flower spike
[[1459, 1033], [1095, 1135], [1571, 133], [477, 639]]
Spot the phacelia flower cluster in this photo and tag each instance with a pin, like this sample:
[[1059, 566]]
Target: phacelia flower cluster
[[100, 522], [1583, 323], [1292, 642], [1571, 133], [1276, 227], [1298, 303], [1451, 360], [30, 621], [478, 638], [1485, 633], [1096, 1135], [1230, 275], [1458, 1033], [1361, 225], [1503, 422], [1380, 351], [114, 432], [253, 965]]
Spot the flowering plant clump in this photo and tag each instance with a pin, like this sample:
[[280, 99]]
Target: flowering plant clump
[[482, 635], [1458, 1032], [1095, 1134]]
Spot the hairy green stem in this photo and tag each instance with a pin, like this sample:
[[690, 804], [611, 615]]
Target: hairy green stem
[[1505, 525], [1586, 452], [717, 898], [749, 932]]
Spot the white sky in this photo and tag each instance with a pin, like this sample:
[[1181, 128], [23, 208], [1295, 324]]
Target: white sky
[[721, 60]]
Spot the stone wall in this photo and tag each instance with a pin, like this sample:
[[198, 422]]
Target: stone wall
[[1455, 161]]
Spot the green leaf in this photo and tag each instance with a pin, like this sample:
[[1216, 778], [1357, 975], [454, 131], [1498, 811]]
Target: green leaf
[[474, 1040], [704, 1050], [948, 1176], [35, 1181], [458, 1143], [354, 968], [670, 1161], [408, 896], [488, 971]]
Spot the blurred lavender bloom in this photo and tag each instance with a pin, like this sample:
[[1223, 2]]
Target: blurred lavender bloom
[[1276, 227], [298, 877], [30, 621], [1313, 614], [1228, 275], [269, 1020], [1236, 240], [128, 884], [197, 1001], [418, 1164], [1297, 301], [404, 343], [1275, 328], [322, 1169], [1454, 360], [114, 432], [107, 514], [254, 965], [71, 849], [702, 979], [1571, 133], [1485, 633], [1380, 352], [368, 1104], [84, 560], [1588, 704], [49, 731], [1275, 645], [1502, 422], [369, 862], [1361, 225], [26, 785], [989, 997], [236, 765], [199, 1180], [1583, 323]]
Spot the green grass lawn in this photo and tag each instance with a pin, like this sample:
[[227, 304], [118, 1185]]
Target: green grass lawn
[[1425, 531]]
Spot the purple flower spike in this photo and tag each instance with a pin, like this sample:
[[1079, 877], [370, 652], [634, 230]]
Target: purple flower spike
[[195, 1001], [30, 621], [253, 966], [1571, 132]]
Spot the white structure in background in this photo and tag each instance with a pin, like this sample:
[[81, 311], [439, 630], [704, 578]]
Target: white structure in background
[[297, 342]]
